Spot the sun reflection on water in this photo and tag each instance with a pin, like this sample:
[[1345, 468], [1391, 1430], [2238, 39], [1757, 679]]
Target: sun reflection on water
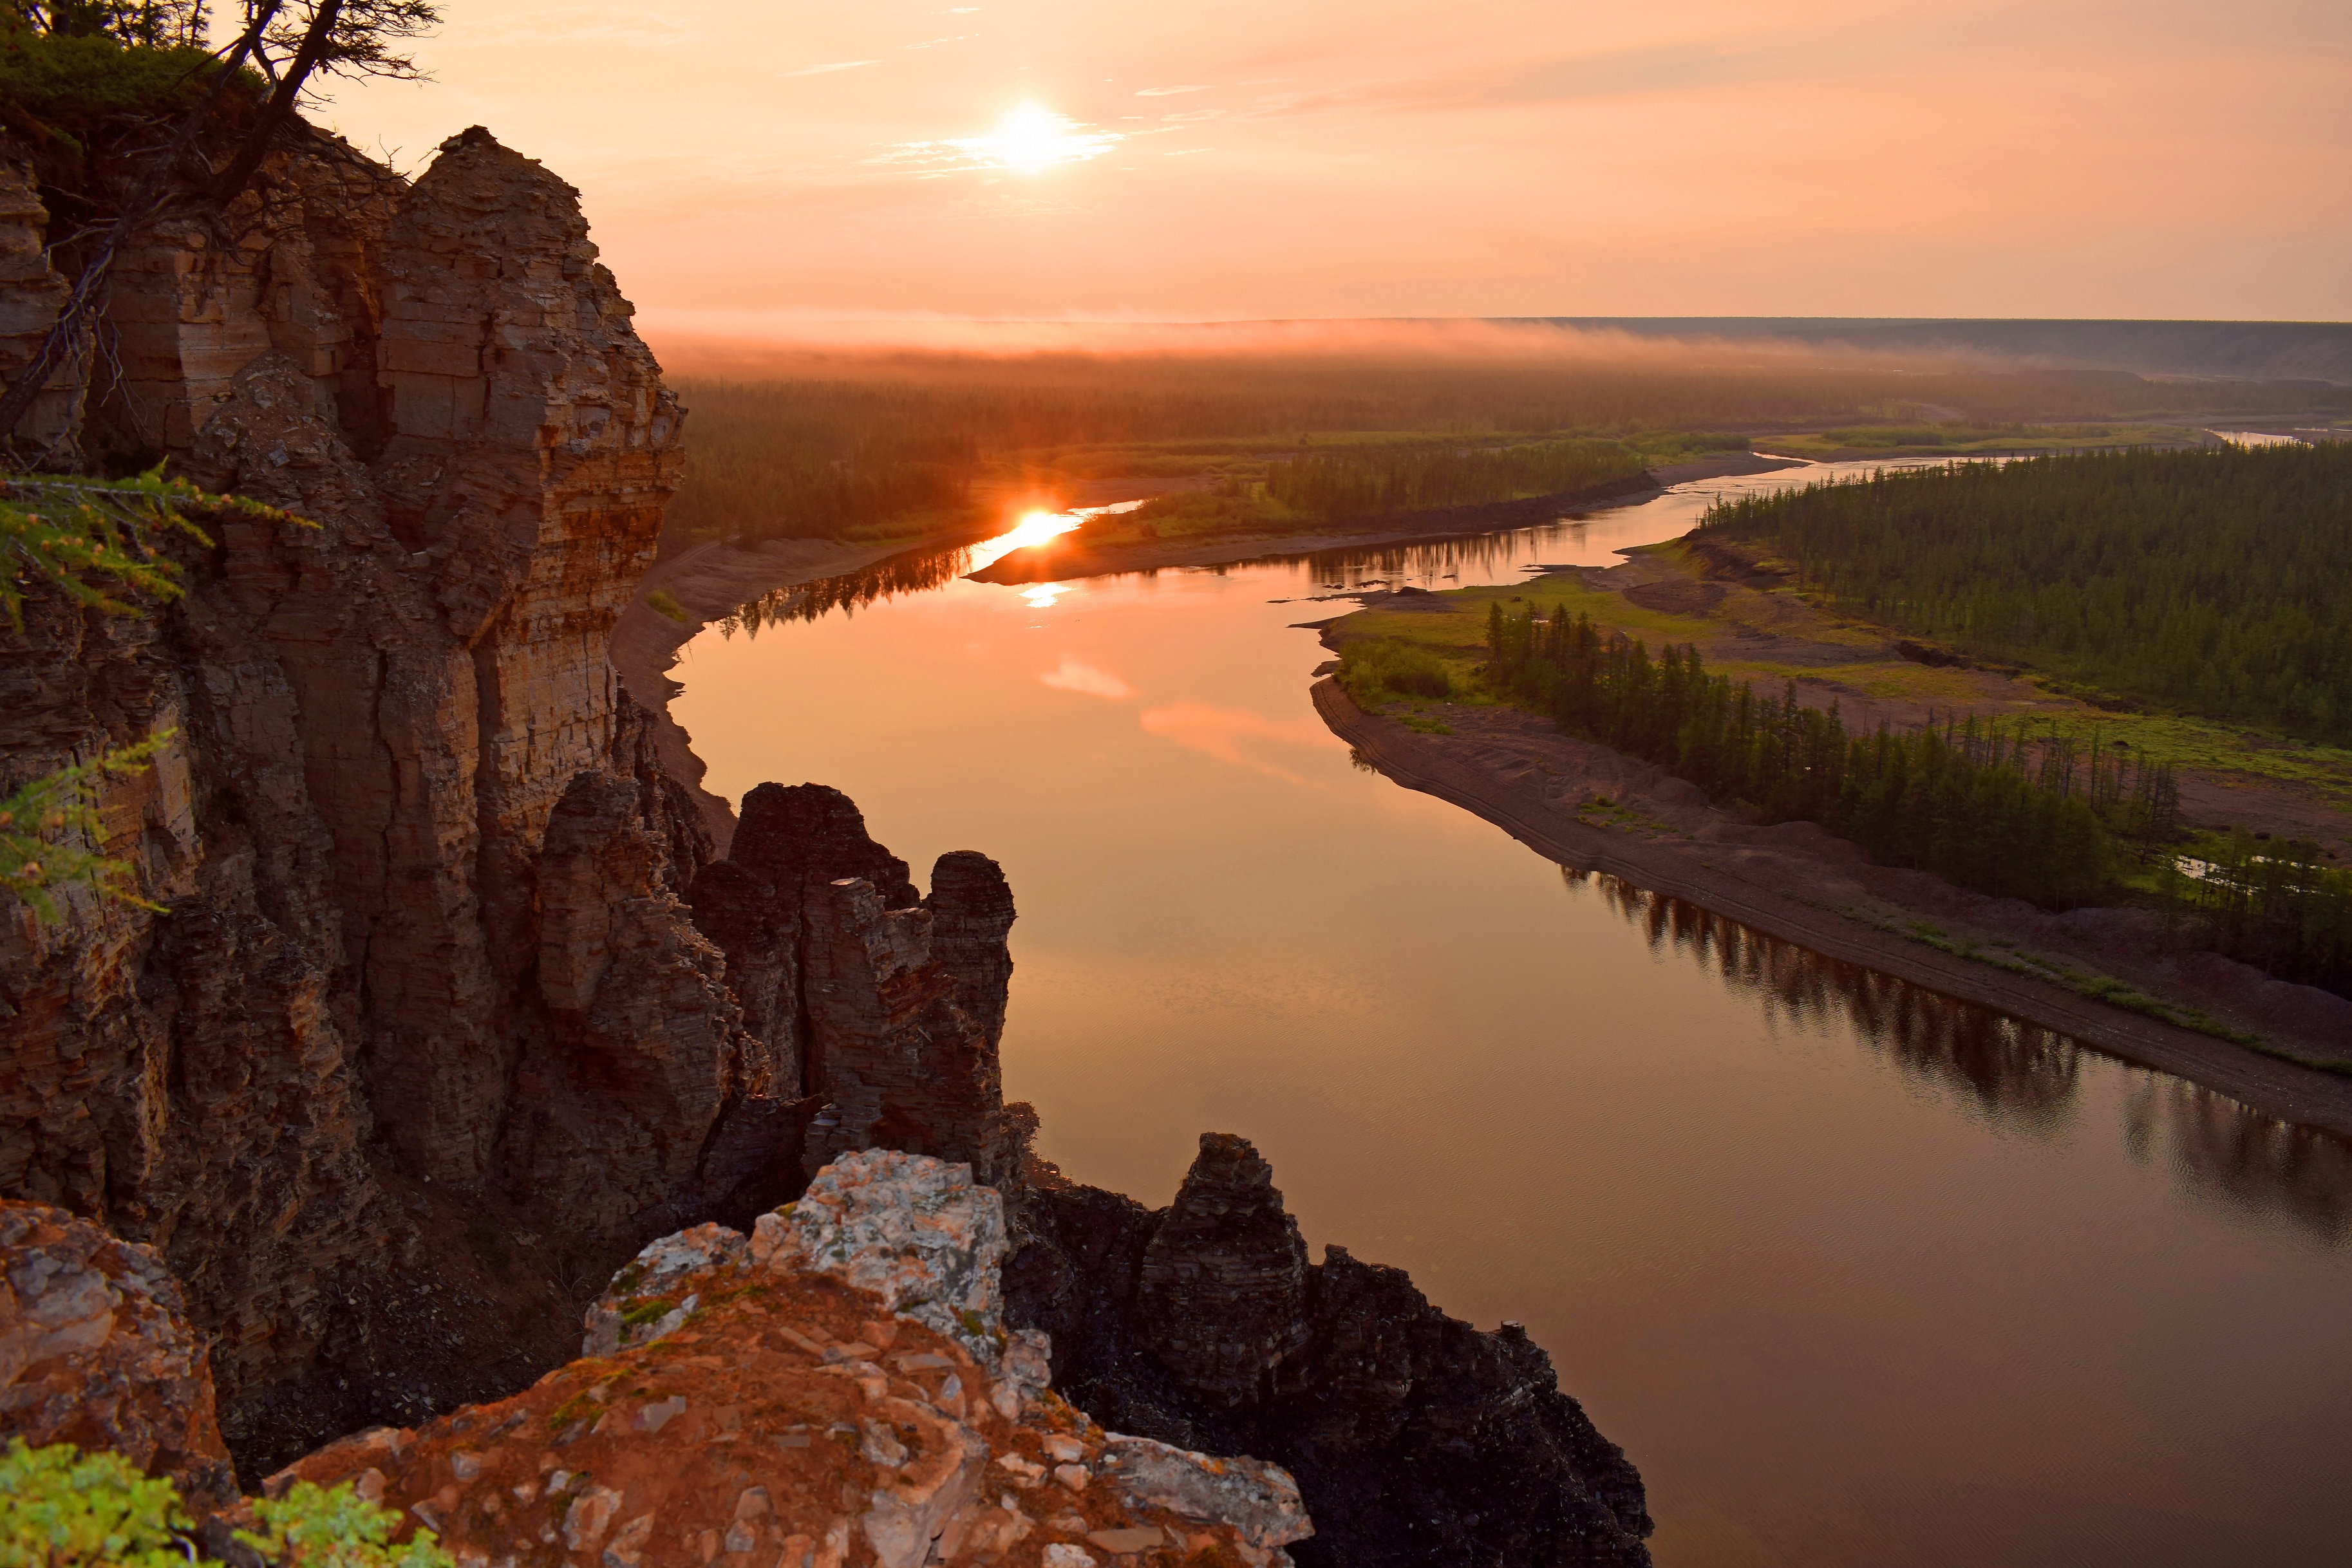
[[1033, 528]]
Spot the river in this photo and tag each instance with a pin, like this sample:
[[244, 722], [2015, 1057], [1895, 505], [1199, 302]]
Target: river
[[1857, 1274]]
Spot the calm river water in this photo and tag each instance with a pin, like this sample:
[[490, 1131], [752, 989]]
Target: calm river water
[[1857, 1275]]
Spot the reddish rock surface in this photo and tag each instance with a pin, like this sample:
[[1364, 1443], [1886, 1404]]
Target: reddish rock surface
[[836, 1389], [95, 1351]]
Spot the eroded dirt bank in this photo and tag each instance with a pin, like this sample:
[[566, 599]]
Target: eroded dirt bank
[[1587, 806]]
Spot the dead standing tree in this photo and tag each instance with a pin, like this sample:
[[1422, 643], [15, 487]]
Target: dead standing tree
[[289, 46]]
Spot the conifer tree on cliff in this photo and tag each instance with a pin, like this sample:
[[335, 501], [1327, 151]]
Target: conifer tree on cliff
[[288, 46], [81, 537]]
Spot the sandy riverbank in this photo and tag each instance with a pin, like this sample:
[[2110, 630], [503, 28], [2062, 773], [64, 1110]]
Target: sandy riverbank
[[1591, 808]]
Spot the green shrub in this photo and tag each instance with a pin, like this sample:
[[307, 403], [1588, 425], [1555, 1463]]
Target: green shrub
[[662, 601], [318, 1527], [76, 80], [60, 1508], [1374, 669]]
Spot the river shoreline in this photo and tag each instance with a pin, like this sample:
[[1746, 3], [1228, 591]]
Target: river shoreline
[[1797, 883], [713, 581], [1792, 881], [1063, 559]]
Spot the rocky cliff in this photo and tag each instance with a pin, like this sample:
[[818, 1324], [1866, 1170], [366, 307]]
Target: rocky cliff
[[430, 1034], [451, 1005]]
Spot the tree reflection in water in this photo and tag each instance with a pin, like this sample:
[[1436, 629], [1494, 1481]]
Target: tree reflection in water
[[2020, 1076], [916, 572], [920, 571]]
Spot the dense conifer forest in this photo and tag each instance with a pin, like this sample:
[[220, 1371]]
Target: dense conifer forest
[[1990, 807], [2218, 581], [1355, 482], [2016, 809]]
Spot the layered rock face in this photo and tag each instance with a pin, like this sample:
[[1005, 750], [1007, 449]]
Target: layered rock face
[[1415, 1439], [430, 1032]]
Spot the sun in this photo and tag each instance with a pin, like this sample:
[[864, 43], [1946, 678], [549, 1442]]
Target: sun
[[1032, 138]]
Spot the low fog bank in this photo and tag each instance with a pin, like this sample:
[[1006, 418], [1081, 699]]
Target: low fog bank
[[762, 346], [2256, 351]]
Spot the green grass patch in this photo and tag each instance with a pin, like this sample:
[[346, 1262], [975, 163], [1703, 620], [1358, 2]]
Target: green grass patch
[[2094, 986], [1381, 670], [1850, 442]]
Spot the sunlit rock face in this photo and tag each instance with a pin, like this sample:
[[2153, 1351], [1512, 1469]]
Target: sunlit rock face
[[530, 449], [375, 721]]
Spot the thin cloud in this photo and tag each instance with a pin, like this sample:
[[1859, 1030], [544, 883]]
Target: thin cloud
[[833, 65], [1230, 735], [1173, 91], [1075, 675]]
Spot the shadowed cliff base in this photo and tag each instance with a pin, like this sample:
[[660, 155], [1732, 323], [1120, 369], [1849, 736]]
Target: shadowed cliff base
[[1415, 1437]]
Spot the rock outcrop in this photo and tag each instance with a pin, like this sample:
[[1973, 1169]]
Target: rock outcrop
[[1220, 1295], [1415, 1439], [888, 1005], [838, 1387]]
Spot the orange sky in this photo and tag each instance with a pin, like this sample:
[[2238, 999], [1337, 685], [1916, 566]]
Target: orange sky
[[748, 165]]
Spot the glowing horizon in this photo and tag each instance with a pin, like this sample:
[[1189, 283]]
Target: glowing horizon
[[1048, 159]]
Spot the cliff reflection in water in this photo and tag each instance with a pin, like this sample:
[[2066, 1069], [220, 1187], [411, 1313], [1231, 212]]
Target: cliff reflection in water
[[2021, 1077]]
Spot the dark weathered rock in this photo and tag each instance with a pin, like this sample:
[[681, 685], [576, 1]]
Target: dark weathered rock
[[972, 916], [812, 833], [758, 931], [1221, 1297], [1415, 1439], [904, 1067]]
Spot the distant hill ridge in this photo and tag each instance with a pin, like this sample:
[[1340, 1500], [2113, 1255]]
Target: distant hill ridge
[[2261, 351]]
